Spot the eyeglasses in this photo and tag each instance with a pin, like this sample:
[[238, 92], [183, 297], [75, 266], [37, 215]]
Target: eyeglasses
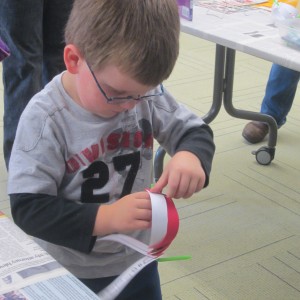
[[117, 100]]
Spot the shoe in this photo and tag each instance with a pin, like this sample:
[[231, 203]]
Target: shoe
[[254, 132]]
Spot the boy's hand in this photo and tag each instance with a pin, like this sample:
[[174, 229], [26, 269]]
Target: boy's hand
[[183, 175], [132, 212]]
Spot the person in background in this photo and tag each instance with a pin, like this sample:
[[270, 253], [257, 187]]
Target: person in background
[[33, 31], [277, 102], [83, 153]]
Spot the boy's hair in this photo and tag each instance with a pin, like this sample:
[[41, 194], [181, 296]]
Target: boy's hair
[[141, 37]]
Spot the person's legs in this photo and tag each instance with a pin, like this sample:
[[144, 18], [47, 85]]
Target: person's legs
[[56, 13], [33, 30], [21, 30], [280, 92], [145, 285], [277, 102]]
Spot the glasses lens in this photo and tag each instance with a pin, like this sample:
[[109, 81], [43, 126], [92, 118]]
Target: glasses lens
[[118, 100]]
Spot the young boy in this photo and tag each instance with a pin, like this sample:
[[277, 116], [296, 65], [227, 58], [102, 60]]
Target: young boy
[[82, 158]]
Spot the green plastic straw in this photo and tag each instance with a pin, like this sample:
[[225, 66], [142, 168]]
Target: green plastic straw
[[173, 258]]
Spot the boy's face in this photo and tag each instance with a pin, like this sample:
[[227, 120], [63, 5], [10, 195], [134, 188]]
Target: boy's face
[[113, 84]]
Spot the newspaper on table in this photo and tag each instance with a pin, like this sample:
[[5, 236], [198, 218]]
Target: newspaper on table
[[27, 272], [228, 6]]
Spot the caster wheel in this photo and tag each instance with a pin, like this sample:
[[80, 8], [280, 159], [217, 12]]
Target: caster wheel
[[264, 155]]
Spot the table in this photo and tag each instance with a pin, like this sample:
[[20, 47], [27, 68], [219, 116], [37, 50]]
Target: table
[[29, 272], [250, 31]]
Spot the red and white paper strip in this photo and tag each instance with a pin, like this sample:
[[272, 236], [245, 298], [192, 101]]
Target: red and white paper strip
[[165, 225]]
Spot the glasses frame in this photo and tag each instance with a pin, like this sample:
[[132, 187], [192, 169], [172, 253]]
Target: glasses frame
[[117, 100]]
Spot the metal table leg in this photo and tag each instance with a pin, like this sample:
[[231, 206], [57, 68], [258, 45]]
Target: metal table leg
[[264, 155], [218, 85], [159, 162]]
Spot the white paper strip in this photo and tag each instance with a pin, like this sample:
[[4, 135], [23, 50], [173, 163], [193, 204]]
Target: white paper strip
[[117, 286], [159, 218], [128, 241]]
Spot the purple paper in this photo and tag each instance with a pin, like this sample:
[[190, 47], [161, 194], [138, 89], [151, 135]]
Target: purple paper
[[4, 51], [185, 8]]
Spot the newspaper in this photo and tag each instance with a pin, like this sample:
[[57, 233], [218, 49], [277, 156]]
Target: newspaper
[[228, 6], [27, 272]]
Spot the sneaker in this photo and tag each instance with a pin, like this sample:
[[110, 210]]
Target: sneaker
[[254, 132]]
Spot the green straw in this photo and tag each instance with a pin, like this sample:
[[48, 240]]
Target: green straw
[[173, 258]]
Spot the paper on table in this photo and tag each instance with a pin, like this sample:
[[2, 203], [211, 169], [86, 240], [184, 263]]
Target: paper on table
[[270, 3], [165, 225], [28, 272], [227, 6]]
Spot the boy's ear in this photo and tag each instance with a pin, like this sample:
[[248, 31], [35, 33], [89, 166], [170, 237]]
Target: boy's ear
[[73, 58]]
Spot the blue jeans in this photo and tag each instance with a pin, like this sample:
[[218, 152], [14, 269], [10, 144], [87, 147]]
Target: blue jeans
[[280, 92], [145, 285], [33, 30]]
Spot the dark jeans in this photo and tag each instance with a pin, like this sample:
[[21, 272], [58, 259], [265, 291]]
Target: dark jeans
[[280, 92], [145, 285], [33, 30]]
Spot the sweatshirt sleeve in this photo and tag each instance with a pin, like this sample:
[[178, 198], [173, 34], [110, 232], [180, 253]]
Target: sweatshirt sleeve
[[74, 221], [199, 141], [176, 128]]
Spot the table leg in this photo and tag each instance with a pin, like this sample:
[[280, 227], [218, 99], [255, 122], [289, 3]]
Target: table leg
[[218, 85], [158, 162], [264, 155]]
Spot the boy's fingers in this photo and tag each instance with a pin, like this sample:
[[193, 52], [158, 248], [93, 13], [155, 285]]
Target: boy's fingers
[[173, 184], [160, 184]]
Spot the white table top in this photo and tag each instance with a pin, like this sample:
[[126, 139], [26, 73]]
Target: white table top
[[250, 31]]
